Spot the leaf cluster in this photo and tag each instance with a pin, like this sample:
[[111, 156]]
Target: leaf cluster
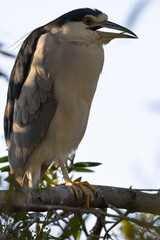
[[52, 224], [132, 231], [65, 224]]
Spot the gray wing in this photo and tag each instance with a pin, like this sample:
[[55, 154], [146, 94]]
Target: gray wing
[[31, 101]]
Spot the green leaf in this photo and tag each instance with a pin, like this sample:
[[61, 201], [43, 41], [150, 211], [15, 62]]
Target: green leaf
[[129, 230], [38, 228], [73, 228], [87, 164], [4, 159], [78, 179], [47, 179], [7, 54], [82, 169], [72, 158], [53, 168], [3, 75], [5, 169], [10, 179]]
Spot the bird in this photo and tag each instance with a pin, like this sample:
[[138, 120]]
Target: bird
[[50, 92]]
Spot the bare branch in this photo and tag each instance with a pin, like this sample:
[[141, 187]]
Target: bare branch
[[63, 197]]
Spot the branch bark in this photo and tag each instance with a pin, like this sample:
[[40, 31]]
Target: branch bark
[[44, 199]]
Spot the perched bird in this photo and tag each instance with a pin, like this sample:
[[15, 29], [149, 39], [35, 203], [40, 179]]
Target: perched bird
[[50, 92]]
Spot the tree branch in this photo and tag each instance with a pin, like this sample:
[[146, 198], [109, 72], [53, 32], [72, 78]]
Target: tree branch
[[60, 197]]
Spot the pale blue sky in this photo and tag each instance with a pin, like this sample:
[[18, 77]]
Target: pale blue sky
[[123, 130]]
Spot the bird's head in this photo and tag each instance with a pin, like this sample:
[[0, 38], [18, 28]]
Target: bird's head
[[82, 25]]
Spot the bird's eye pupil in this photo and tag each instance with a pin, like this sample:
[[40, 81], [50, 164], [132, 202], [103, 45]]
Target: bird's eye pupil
[[87, 20]]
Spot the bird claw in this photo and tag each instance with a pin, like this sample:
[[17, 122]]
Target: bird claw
[[81, 186], [73, 185]]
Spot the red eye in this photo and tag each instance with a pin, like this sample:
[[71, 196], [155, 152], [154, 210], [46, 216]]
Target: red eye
[[87, 20]]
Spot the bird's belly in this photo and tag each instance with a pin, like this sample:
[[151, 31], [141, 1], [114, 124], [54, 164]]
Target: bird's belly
[[64, 133], [67, 129], [74, 94]]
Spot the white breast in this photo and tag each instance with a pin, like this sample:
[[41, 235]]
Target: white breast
[[77, 69]]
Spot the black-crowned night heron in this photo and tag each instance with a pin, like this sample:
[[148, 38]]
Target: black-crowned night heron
[[51, 88]]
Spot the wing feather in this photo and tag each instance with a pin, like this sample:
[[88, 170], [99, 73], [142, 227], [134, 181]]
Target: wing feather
[[31, 102]]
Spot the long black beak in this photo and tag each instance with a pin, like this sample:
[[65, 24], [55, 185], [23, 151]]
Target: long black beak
[[126, 33]]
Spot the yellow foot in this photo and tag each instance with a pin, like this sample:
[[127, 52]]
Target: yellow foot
[[80, 185]]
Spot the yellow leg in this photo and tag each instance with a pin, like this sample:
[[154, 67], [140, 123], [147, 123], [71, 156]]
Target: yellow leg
[[81, 185]]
